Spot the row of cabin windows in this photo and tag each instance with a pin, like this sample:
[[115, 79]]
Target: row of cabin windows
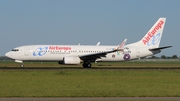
[[15, 50]]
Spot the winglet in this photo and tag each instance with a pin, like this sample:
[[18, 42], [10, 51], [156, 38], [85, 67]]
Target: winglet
[[121, 46], [98, 44]]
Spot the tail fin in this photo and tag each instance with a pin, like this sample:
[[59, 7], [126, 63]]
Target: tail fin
[[153, 36]]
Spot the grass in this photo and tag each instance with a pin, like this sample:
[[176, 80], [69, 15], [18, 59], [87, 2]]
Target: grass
[[89, 83]]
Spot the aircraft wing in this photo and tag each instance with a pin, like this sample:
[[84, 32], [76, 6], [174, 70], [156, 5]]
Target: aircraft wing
[[94, 56]]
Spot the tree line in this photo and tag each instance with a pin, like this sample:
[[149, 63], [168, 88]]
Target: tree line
[[4, 58], [164, 57]]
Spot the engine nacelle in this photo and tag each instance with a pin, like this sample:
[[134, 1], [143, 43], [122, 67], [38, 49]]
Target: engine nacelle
[[71, 60]]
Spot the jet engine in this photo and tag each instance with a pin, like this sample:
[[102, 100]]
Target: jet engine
[[70, 60]]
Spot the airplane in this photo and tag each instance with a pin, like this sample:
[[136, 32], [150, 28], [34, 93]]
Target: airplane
[[75, 54]]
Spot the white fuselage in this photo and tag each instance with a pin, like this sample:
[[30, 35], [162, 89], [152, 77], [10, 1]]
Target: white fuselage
[[57, 52]]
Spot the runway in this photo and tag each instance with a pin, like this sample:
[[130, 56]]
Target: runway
[[93, 68], [95, 99]]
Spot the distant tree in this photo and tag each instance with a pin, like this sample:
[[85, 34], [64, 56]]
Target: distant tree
[[168, 57], [174, 57], [163, 57], [154, 57]]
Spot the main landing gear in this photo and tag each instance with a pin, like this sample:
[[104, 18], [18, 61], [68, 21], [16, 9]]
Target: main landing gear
[[87, 64], [21, 65]]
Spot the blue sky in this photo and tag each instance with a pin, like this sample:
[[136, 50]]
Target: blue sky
[[29, 22]]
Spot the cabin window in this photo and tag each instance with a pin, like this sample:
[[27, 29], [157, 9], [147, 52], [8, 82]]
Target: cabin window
[[15, 50]]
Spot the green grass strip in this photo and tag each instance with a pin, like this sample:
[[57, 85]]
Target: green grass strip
[[89, 83]]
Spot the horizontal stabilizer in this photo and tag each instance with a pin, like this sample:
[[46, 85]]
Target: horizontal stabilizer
[[159, 48]]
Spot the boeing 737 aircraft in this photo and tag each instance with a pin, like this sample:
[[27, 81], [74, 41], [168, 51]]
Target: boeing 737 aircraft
[[75, 54]]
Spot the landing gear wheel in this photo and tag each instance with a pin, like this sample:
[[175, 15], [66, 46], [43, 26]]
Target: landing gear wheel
[[84, 65], [21, 65], [87, 65]]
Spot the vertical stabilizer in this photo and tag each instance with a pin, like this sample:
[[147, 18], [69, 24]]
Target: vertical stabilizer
[[153, 36]]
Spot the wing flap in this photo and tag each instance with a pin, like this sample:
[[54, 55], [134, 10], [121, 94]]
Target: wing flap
[[95, 55]]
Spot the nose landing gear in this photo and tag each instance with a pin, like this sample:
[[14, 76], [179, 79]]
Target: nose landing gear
[[22, 65]]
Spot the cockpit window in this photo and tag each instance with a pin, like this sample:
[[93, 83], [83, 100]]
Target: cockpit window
[[15, 50]]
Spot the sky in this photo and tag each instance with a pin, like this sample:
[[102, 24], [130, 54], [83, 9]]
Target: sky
[[30, 22]]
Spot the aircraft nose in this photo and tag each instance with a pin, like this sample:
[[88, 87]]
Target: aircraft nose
[[8, 54]]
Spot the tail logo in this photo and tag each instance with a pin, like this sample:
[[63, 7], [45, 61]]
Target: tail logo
[[155, 39], [152, 33]]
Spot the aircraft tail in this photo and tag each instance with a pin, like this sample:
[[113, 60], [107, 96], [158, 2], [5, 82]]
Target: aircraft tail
[[153, 36]]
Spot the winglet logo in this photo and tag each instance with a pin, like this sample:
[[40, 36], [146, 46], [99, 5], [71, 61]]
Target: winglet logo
[[40, 51], [150, 34]]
